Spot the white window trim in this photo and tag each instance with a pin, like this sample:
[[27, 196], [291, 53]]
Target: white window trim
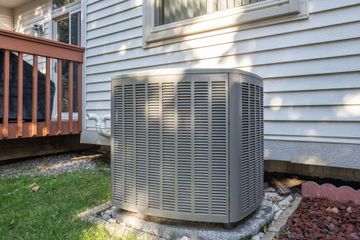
[[72, 7], [218, 20], [55, 15]]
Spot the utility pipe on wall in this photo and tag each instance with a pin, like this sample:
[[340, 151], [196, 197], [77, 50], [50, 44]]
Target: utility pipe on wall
[[100, 124]]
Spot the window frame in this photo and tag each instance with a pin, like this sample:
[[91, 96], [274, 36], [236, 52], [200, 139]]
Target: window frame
[[56, 15], [67, 9], [233, 17]]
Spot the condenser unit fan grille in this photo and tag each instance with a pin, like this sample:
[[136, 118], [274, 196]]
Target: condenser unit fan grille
[[159, 130]]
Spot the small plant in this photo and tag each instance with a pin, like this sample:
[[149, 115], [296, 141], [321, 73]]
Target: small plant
[[285, 232]]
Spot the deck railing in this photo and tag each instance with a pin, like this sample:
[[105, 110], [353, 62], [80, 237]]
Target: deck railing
[[53, 52]]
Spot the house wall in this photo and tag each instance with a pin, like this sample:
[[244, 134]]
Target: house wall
[[6, 20], [33, 12], [310, 68]]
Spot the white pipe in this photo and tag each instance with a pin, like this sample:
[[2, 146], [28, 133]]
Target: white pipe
[[100, 124]]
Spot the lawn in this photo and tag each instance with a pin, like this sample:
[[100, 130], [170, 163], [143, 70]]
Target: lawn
[[51, 211]]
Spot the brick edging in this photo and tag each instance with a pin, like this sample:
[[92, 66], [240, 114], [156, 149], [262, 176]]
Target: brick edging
[[341, 194]]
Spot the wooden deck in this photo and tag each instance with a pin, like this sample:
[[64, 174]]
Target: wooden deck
[[21, 44]]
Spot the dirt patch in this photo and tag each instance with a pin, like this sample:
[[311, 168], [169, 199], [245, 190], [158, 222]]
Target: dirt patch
[[319, 218]]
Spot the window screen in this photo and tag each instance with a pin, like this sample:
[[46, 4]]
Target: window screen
[[176, 10]]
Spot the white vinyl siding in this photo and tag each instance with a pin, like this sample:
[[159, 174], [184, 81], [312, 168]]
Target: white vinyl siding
[[6, 20], [25, 16], [310, 66], [33, 12]]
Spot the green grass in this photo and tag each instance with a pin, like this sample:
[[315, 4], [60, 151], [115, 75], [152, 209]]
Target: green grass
[[52, 211]]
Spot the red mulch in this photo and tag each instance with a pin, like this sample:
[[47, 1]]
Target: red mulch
[[323, 219]]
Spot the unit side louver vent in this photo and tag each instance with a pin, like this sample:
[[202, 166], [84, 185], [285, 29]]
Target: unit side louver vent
[[154, 183], [184, 147], [219, 147], [252, 147], [259, 141], [168, 146], [201, 147], [162, 128], [118, 162], [141, 141]]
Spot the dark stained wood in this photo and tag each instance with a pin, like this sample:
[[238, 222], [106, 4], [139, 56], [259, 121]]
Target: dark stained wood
[[30, 147], [71, 95], [5, 132], [47, 97], [41, 126], [79, 97], [59, 97], [34, 95], [20, 95], [39, 46]]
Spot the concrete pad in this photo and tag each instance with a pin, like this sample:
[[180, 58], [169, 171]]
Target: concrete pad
[[172, 229]]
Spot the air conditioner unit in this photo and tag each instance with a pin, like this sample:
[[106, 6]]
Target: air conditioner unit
[[188, 144]]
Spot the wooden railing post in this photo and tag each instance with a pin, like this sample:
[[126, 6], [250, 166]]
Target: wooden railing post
[[20, 95], [59, 97], [5, 130], [47, 98], [34, 96], [79, 97], [71, 95]]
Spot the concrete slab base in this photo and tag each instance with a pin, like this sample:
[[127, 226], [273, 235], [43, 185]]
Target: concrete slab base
[[171, 229], [273, 213]]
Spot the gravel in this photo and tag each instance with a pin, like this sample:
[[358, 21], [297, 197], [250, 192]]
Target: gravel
[[51, 164], [323, 219], [111, 217]]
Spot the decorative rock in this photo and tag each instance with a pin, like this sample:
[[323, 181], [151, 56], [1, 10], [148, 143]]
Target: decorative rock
[[348, 210], [106, 217], [286, 202], [184, 238], [320, 218], [335, 210], [112, 220], [331, 227], [272, 197], [256, 237], [114, 212], [259, 236], [276, 208], [108, 211], [354, 236], [277, 214]]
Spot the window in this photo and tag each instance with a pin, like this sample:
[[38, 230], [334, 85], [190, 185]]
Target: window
[[61, 3], [66, 16], [185, 9], [165, 20], [68, 31]]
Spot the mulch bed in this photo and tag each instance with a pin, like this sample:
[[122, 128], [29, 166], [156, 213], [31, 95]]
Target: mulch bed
[[318, 218]]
